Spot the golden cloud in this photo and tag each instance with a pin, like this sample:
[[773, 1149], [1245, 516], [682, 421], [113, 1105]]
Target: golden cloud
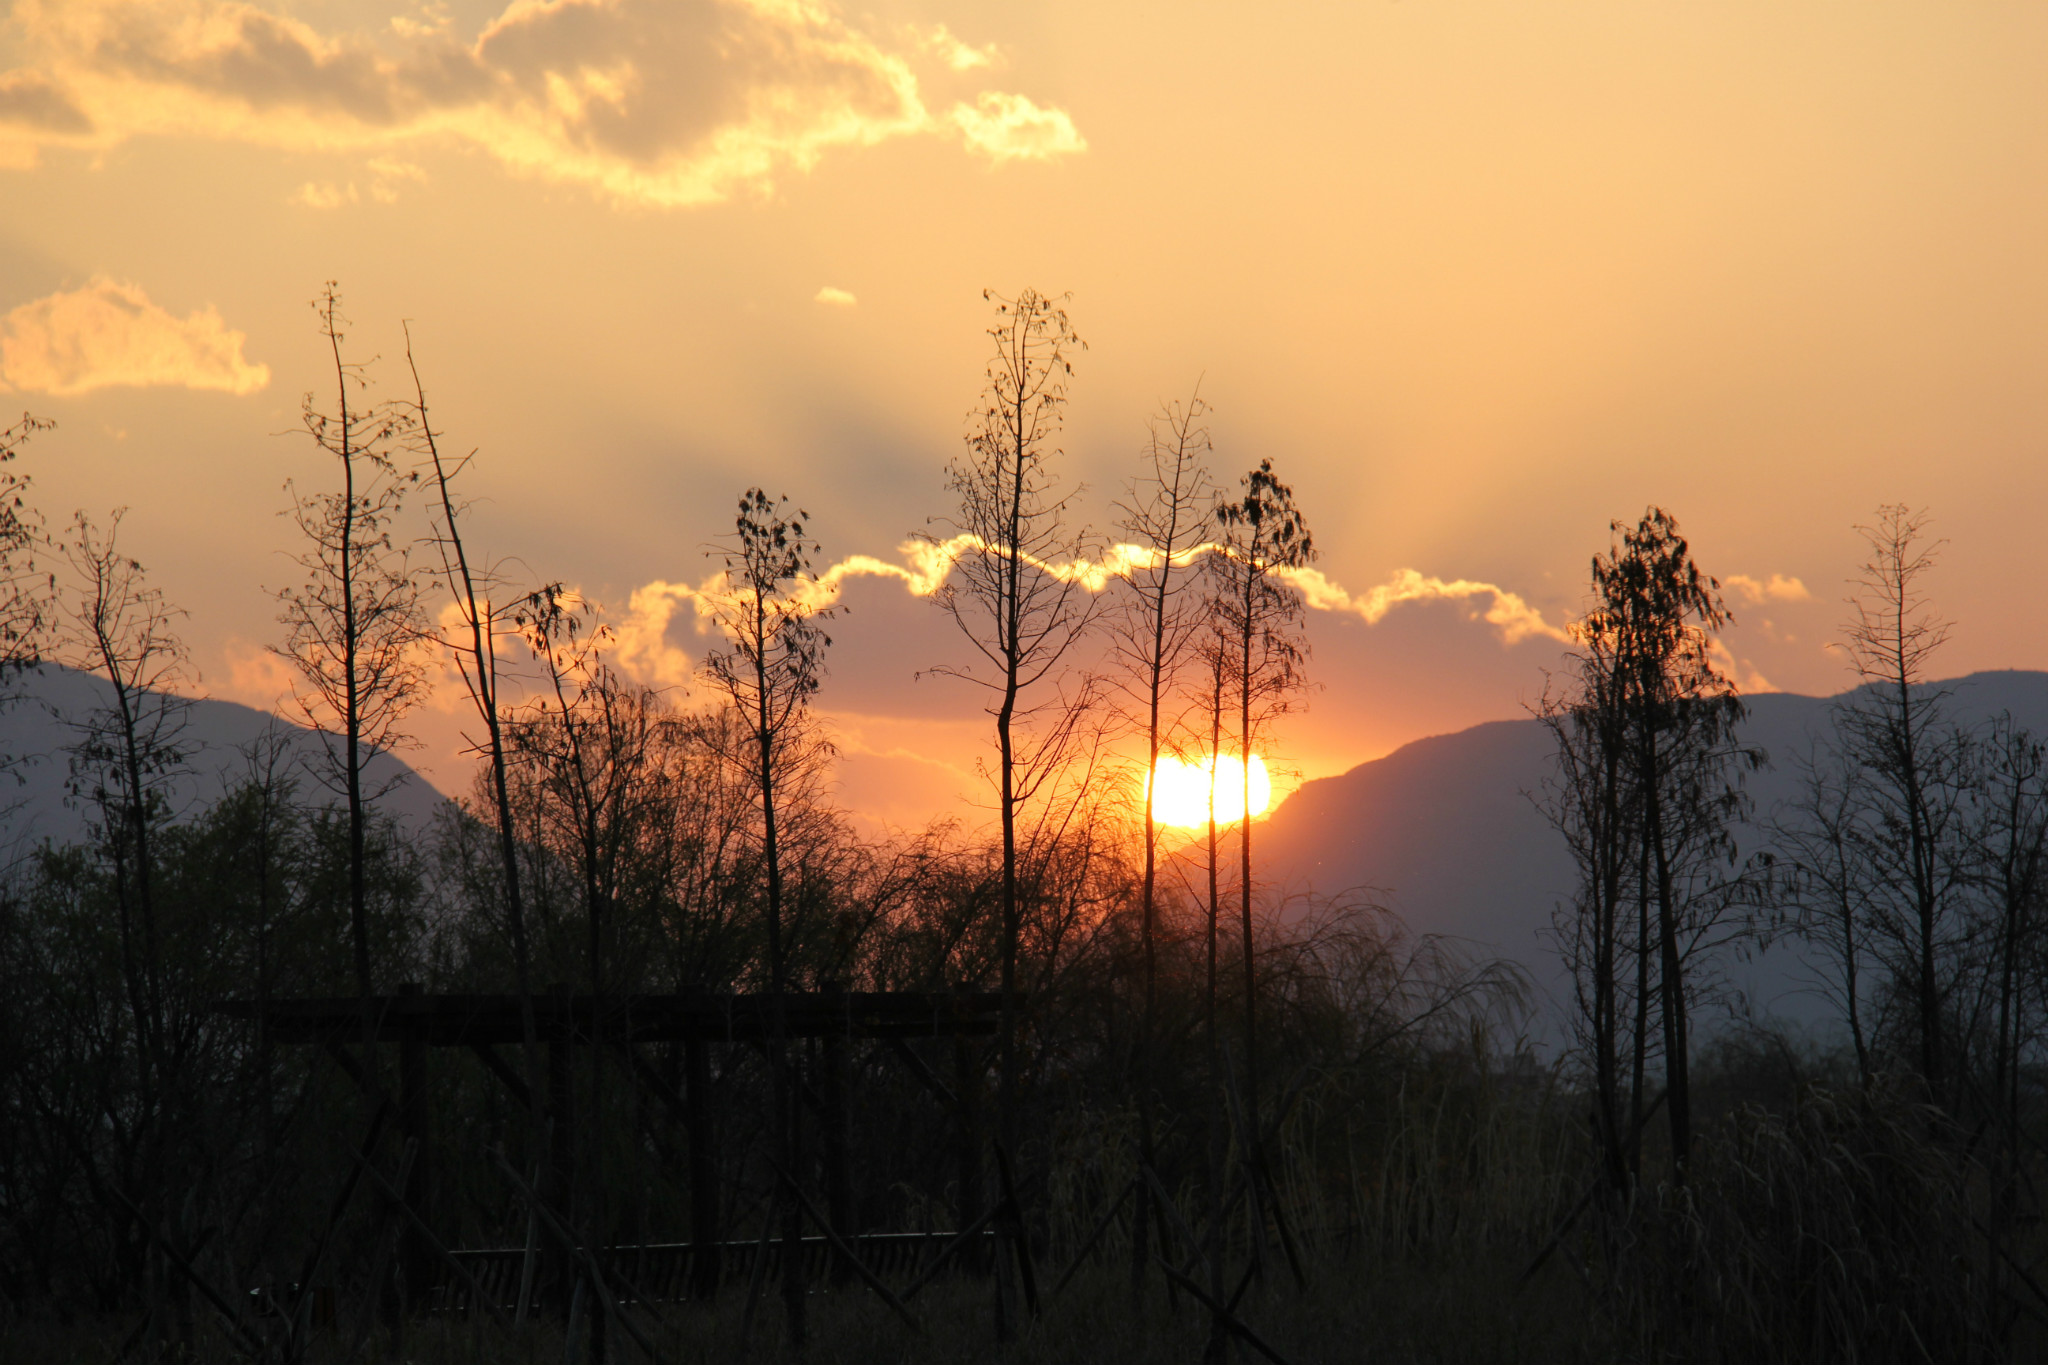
[[956, 54], [108, 334], [1777, 588], [642, 650], [657, 102], [1742, 672], [1011, 128], [1505, 611]]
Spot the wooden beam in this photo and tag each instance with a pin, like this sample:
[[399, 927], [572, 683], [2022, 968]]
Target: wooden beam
[[468, 1020]]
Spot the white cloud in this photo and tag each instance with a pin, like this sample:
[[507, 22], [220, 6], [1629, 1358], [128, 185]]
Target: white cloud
[[834, 297], [657, 102], [108, 334]]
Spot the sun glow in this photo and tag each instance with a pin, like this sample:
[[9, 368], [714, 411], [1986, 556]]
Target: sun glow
[[1181, 790]]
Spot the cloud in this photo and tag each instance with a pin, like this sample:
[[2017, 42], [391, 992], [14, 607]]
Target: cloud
[[642, 650], [386, 173], [958, 55], [1012, 128], [654, 102], [1514, 618], [109, 333], [1742, 672], [1777, 588], [838, 298], [255, 676], [323, 195]]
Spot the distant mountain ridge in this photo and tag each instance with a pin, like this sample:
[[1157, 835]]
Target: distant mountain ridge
[[36, 732], [1445, 830]]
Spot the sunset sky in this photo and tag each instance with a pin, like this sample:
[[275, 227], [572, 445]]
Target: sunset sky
[[1477, 277]]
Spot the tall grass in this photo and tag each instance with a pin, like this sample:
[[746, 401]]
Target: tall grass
[[1820, 1223]]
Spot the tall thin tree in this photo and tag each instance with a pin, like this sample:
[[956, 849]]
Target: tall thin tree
[[1262, 536], [473, 644], [1020, 618], [1914, 765], [1590, 799], [353, 624], [1152, 637], [114, 624], [1657, 613], [770, 667]]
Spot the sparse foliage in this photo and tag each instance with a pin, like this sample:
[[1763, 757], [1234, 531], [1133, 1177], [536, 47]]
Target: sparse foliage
[[353, 624], [1258, 619]]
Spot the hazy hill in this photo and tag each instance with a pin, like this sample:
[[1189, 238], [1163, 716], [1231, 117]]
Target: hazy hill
[[1446, 831], [36, 730]]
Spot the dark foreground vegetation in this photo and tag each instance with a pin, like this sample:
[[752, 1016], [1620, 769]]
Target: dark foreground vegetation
[[1191, 1119]]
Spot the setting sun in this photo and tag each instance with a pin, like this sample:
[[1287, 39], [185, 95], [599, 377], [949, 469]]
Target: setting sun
[[1182, 796]]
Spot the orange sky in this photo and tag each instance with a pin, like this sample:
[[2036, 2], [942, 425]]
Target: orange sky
[[1477, 277]]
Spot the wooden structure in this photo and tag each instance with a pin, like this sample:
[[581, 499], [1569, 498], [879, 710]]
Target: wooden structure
[[563, 1022]]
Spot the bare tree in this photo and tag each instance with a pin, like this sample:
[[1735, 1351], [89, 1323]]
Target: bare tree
[[1914, 768], [114, 625], [1818, 838], [474, 647], [1020, 618], [1214, 697], [2011, 845], [119, 628], [1590, 798], [590, 742], [1152, 637], [1158, 621], [771, 669], [353, 624]]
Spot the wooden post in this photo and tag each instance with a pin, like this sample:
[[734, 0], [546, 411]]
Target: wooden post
[[416, 1259], [704, 1229], [562, 1114], [839, 1201], [967, 1148]]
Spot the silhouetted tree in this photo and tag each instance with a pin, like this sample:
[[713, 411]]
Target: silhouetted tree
[[1591, 799], [127, 751], [1020, 617], [1912, 765], [1259, 613], [25, 591], [1153, 633], [1656, 613], [474, 646], [1213, 649], [771, 668], [1825, 883], [354, 624], [2010, 839]]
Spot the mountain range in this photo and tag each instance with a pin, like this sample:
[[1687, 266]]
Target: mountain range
[[39, 727], [1447, 833]]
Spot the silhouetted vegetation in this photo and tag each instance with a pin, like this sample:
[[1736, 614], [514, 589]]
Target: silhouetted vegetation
[[1079, 1088]]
